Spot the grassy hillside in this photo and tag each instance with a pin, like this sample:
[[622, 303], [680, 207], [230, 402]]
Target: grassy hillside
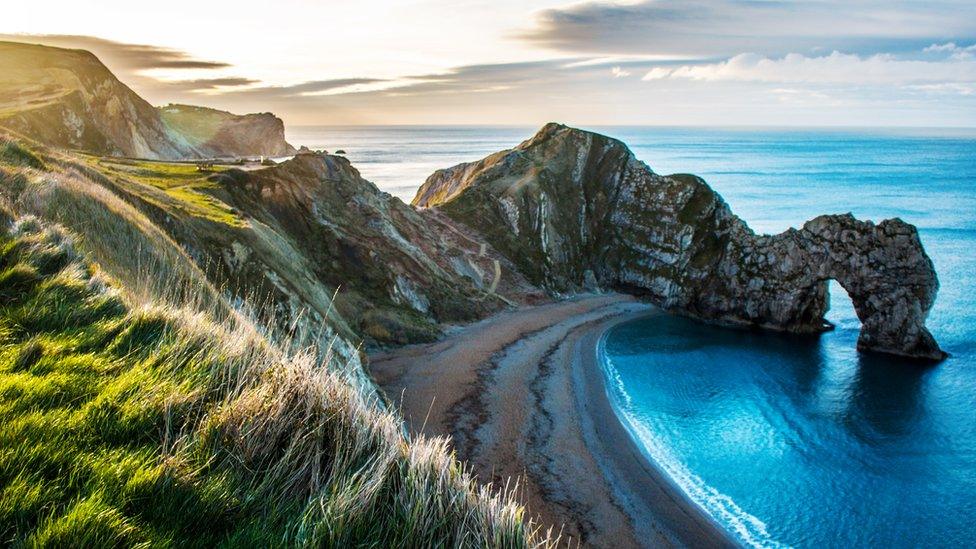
[[221, 134], [67, 98], [142, 406]]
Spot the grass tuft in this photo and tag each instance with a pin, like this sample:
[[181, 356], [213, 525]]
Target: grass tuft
[[14, 153], [129, 425]]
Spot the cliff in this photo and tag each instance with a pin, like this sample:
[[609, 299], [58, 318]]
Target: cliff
[[399, 273], [68, 99], [147, 402], [218, 133], [576, 210]]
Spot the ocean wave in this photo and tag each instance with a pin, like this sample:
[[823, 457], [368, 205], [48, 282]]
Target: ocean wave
[[747, 528]]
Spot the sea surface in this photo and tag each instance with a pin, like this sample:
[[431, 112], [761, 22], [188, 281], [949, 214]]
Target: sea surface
[[784, 440]]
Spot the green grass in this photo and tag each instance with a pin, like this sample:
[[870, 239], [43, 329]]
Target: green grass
[[128, 425], [16, 154], [116, 235], [182, 182]]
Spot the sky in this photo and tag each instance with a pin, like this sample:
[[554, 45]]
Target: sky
[[644, 62]]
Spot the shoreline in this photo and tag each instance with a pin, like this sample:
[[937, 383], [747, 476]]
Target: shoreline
[[523, 396], [687, 522]]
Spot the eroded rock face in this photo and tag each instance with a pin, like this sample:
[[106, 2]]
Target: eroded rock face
[[216, 133], [576, 210], [314, 222], [69, 99]]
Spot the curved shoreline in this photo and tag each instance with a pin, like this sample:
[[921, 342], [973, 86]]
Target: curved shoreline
[[524, 397], [641, 482]]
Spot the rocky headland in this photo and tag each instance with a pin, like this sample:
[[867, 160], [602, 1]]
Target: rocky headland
[[216, 133], [70, 100], [576, 211]]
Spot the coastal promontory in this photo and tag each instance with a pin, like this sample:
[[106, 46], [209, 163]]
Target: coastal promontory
[[578, 211]]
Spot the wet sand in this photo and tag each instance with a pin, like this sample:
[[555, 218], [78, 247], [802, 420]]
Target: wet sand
[[523, 397]]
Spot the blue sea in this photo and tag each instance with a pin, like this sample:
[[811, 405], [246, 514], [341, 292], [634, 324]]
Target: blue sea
[[784, 440]]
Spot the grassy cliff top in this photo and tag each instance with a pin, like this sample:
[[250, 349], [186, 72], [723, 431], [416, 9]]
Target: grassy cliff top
[[131, 424], [184, 187], [35, 76]]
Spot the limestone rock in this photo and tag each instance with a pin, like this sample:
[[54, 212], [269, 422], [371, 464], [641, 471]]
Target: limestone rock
[[216, 133], [570, 207], [68, 99]]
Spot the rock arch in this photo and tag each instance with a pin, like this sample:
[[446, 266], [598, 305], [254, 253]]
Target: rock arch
[[782, 281], [885, 271], [576, 210]]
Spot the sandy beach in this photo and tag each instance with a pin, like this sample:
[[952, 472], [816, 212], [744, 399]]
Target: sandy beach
[[523, 398]]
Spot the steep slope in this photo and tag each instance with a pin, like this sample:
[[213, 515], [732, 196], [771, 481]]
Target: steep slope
[[218, 133], [69, 99], [574, 209], [399, 275], [126, 423], [290, 237]]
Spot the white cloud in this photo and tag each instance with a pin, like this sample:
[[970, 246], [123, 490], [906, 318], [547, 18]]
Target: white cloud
[[707, 28], [617, 72], [954, 51], [950, 88], [803, 97], [835, 69]]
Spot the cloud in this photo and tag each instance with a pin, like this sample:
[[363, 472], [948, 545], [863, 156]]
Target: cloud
[[302, 93], [490, 77], [836, 68], [206, 84], [618, 72], [317, 87], [118, 56], [954, 51], [950, 88], [708, 28]]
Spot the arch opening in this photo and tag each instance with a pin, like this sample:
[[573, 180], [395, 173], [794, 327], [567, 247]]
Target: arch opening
[[841, 312]]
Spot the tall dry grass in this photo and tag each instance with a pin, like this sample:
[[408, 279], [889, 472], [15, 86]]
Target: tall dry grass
[[150, 416]]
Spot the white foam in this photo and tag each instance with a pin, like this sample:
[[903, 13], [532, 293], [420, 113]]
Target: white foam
[[748, 529]]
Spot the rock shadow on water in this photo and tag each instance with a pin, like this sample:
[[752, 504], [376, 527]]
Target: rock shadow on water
[[886, 399]]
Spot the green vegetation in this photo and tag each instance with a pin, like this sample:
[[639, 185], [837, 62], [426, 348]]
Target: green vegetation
[[198, 124], [16, 154], [116, 235], [186, 186], [125, 423]]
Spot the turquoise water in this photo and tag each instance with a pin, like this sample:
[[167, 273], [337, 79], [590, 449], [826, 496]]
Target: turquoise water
[[802, 441], [784, 439]]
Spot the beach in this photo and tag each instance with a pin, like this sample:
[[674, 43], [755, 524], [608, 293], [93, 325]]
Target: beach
[[523, 398]]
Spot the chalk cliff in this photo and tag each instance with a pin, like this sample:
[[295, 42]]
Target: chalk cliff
[[576, 210], [217, 133], [69, 100]]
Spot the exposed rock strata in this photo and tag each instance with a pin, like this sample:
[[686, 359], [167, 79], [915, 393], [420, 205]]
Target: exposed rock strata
[[400, 271], [68, 99], [576, 210], [218, 133]]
